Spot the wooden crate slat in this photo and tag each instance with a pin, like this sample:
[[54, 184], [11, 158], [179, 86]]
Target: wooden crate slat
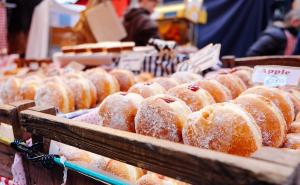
[[5, 112], [190, 164]]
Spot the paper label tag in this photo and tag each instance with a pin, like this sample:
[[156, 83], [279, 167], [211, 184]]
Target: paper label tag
[[275, 76], [132, 61]]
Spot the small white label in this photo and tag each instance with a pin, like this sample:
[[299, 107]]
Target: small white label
[[132, 61], [275, 76]]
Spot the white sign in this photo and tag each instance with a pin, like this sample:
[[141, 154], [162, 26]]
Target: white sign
[[132, 61], [275, 76]]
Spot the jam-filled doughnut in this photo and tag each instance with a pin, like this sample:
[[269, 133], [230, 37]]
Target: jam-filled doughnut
[[244, 75], [186, 77], [57, 95], [194, 96], [118, 110], [224, 127], [147, 89], [295, 127], [279, 98], [165, 82], [162, 116], [143, 77], [233, 83], [28, 89], [267, 116], [292, 141], [10, 90], [219, 92], [125, 78]]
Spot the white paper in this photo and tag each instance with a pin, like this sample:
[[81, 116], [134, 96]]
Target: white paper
[[132, 61]]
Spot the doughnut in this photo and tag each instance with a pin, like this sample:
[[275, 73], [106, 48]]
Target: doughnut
[[84, 91], [279, 98], [147, 89], [10, 90], [295, 127], [155, 179], [247, 68], [118, 110], [292, 141], [294, 95], [124, 171], [186, 77], [125, 78], [165, 82], [105, 84], [144, 77], [224, 127], [219, 92], [298, 117], [162, 116], [233, 83], [95, 70], [244, 75], [55, 94], [194, 96], [28, 89], [267, 116]]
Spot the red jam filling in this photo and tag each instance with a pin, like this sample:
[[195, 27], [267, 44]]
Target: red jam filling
[[168, 100], [193, 88]]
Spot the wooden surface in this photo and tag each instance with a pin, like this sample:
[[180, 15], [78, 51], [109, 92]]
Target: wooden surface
[[6, 160], [190, 164], [231, 61]]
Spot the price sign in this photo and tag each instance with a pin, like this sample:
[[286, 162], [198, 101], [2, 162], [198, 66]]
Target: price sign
[[132, 61], [275, 76]]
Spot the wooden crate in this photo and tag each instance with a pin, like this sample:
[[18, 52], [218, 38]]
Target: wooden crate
[[183, 162], [231, 61]]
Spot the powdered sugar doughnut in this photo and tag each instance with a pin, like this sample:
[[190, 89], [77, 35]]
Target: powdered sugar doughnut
[[10, 90], [267, 116], [298, 117], [219, 92], [118, 110], [124, 171], [223, 127], [143, 77], [155, 179], [294, 95], [196, 98], [147, 89], [279, 98], [84, 91], [233, 83], [28, 89], [125, 78], [244, 75], [55, 94], [295, 127], [105, 84], [162, 116], [95, 70], [247, 68], [165, 82], [292, 141], [186, 77]]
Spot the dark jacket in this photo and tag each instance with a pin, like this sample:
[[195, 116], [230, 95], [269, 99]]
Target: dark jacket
[[271, 42], [139, 26]]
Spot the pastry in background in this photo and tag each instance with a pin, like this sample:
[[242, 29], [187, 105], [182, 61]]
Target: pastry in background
[[147, 89]]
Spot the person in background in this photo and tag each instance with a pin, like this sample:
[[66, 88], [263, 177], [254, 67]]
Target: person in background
[[279, 38], [138, 23]]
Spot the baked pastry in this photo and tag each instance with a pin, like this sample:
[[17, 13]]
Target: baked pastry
[[219, 92], [279, 98], [57, 95], [267, 116], [118, 110], [186, 77], [155, 179], [294, 95], [165, 82], [28, 89], [292, 141], [233, 83], [162, 116], [125, 78], [124, 171], [194, 96], [298, 117], [147, 89], [224, 127], [84, 91], [10, 90], [105, 83], [244, 75], [95, 70], [143, 77], [247, 68], [295, 127]]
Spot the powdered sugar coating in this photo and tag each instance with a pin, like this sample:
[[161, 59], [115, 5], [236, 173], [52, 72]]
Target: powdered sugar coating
[[160, 119], [233, 83], [224, 127], [28, 89], [118, 111], [292, 141], [147, 89], [185, 77], [166, 82], [10, 90], [125, 78]]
